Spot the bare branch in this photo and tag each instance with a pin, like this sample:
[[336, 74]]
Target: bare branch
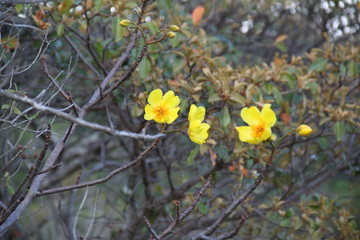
[[77, 120], [187, 212], [239, 200], [151, 230], [104, 179]]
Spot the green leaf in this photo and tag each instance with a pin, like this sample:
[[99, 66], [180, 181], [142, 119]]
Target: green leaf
[[11, 190], [223, 152], [5, 106], [60, 29], [16, 110], [313, 87], [282, 46], [285, 223], [202, 208], [118, 31], [339, 130], [324, 120], [152, 27], [165, 4], [277, 96], [290, 78], [353, 68], [98, 4], [225, 117], [10, 90], [319, 65], [342, 70], [65, 6], [236, 97], [145, 67], [214, 98], [18, 7], [268, 87], [34, 116], [192, 155]]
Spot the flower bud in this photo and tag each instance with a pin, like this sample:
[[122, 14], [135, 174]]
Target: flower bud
[[272, 137], [174, 28], [171, 34], [304, 130], [124, 22]]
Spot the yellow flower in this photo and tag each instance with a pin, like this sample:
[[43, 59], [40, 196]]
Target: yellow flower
[[260, 124], [304, 130], [197, 130], [124, 22], [161, 108]]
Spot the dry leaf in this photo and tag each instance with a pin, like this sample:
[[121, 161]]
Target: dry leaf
[[197, 15], [281, 38], [286, 118]]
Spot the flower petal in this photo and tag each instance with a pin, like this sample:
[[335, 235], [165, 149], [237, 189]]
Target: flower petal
[[266, 134], [250, 115], [268, 115], [245, 133], [196, 113], [149, 112], [155, 97], [194, 125], [199, 134], [172, 115], [192, 112], [170, 100]]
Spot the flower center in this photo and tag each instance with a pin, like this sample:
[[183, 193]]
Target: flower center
[[160, 112], [258, 130]]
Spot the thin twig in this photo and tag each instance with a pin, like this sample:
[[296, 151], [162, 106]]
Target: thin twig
[[233, 233], [187, 212], [239, 200], [104, 179], [49, 169], [151, 230]]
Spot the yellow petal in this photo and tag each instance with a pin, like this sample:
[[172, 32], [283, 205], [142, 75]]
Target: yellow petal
[[149, 112], [192, 112], [245, 133], [172, 115], [205, 126], [196, 113], [155, 97], [250, 115], [266, 135], [171, 100], [268, 115], [199, 134], [194, 124]]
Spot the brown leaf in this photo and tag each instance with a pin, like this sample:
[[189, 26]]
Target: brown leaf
[[286, 118], [174, 83], [281, 38], [213, 157], [197, 15]]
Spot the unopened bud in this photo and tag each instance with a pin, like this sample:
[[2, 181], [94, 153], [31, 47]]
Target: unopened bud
[[124, 22], [174, 28], [272, 137], [304, 130], [171, 34]]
